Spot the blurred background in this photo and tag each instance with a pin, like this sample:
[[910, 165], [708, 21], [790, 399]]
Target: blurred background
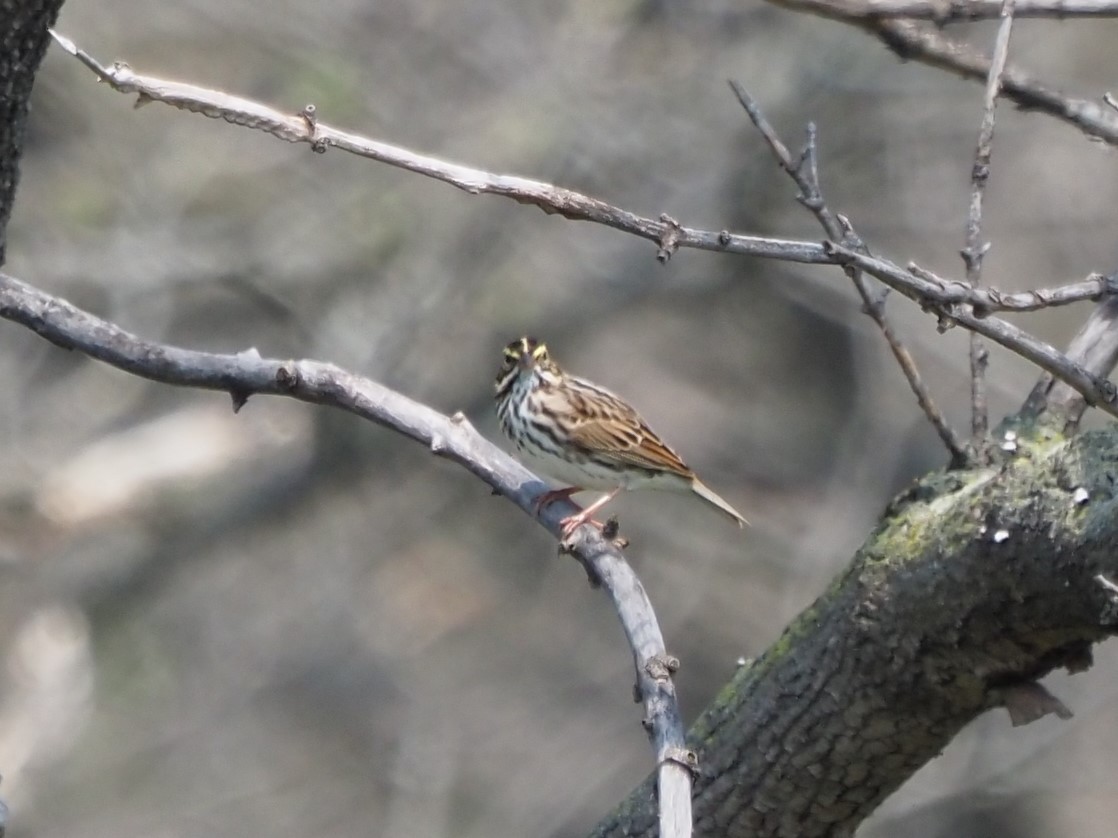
[[290, 621]]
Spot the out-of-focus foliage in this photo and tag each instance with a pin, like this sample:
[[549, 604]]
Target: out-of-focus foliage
[[288, 621]]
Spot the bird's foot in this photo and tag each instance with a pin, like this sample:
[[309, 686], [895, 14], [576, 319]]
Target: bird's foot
[[568, 525]]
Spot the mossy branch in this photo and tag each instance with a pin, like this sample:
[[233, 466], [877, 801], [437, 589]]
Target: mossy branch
[[975, 584]]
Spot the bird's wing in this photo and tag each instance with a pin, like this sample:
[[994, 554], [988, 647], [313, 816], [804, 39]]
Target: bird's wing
[[608, 427]]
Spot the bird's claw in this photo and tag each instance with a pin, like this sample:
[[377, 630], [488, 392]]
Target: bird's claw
[[568, 525]]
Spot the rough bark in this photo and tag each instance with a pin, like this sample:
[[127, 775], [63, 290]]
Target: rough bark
[[23, 40], [974, 584]]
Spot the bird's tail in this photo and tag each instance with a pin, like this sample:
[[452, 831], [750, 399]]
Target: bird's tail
[[706, 493]]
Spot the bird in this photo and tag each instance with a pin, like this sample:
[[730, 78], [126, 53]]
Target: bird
[[583, 435]]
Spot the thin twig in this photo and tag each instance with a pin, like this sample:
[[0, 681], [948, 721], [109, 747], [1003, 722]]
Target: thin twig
[[805, 173], [975, 248], [454, 438], [1097, 391], [306, 128], [942, 12], [913, 42], [1094, 288]]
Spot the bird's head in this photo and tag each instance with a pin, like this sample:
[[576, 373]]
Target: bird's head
[[521, 357]]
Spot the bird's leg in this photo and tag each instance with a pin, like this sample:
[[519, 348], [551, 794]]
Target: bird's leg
[[552, 495], [572, 522]]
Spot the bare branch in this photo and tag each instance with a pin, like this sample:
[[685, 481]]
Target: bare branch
[[913, 42], [454, 438], [666, 232], [975, 248], [305, 127], [952, 11], [1095, 287], [1097, 391], [805, 173]]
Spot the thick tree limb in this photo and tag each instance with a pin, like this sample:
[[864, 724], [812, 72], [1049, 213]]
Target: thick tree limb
[[23, 41], [454, 438], [974, 583]]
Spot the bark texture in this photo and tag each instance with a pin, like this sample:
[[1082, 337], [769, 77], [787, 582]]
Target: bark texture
[[974, 585], [23, 40]]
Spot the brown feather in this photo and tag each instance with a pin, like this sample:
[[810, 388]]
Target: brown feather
[[605, 425]]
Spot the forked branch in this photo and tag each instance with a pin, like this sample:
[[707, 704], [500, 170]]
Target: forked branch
[[805, 173]]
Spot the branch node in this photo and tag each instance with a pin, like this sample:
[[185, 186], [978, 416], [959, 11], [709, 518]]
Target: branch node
[[287, 376], [309, 114], [669, 238], [685, 757], [874, 304], [944, 321], [660, 668]]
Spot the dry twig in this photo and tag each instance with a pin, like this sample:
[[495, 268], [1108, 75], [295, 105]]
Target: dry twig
[[913, 42], [975, 248], [666, 232], [805, 173], [943, 12], [1095, 390]]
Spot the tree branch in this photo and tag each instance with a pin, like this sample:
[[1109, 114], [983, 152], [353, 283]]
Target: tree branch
[[306, 128], [975, 249], [667, 233], [942, 12], [912, 42], [246, 374], [1097, 391], [974, 585], [805, 173]]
